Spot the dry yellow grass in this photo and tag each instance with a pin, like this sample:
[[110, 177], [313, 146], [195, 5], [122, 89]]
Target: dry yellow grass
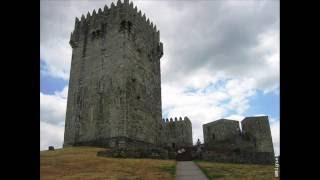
[[225, 171], [82, 163]]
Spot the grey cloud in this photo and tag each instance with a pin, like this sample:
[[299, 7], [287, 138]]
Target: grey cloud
[[218, 38], [216, 35], [57, 19]]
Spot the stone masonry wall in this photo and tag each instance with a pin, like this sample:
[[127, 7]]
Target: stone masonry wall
[[258, 129], [114, 86], [177, 133], [225, 142], [220, 130]]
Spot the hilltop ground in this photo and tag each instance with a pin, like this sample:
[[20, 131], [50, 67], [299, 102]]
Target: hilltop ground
[[82, 163], [226, 171]]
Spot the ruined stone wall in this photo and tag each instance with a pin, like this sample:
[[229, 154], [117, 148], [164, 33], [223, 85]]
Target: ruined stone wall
[[258, 130], [177, 133], [222, 135], [225, 142], [220, 130], [114, 86]]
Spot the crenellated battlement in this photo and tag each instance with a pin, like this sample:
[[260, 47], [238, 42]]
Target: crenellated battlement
[[124, 10], [175, 120], [123, 18], [177, 132]]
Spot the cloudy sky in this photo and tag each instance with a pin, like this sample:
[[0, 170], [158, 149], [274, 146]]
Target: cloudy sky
[[221, 60]]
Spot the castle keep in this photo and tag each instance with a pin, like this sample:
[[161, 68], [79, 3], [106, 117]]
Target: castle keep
[[115, 84]]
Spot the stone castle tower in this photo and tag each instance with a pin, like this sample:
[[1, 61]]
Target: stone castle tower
[[228, 143], [257, 129], [114, 90], [176, 133]]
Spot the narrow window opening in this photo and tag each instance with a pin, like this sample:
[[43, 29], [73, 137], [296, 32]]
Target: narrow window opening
[[129, 26], [98, 32], [93, 35], [139, 51], [123, 25]]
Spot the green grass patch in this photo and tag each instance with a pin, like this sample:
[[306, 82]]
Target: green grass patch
[[231, 171], [170, 168], [83, 163], [211, 175]]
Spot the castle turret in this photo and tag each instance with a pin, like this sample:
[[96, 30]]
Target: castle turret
[[178, 133]]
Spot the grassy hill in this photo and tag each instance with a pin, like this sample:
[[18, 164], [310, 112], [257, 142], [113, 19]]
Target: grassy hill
[[226, 171], [82, 163]]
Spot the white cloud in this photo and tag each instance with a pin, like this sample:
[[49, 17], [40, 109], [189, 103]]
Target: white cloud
[[62, 94], [203, 106], [57, 20], [53, 107], [52, 118], [50, 135], [236, 117], [57, 56]]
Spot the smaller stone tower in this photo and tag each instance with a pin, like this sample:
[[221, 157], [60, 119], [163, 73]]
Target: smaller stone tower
[[222, 135], [258, 130], [177, 133], [220, 130]]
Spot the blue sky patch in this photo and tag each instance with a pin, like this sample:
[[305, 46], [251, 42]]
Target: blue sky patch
[[48, 84], [268, 104]]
